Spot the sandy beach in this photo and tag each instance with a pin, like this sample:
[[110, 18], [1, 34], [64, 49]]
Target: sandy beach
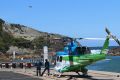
[[92, 75]]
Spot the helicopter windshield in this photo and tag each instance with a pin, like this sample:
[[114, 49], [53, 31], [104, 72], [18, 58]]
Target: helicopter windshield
[[59, 59]]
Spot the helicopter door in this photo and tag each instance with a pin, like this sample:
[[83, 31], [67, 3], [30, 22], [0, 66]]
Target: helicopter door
[[79, 50], [84, 49]]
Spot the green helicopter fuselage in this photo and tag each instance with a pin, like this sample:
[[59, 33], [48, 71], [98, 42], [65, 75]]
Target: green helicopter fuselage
[[76, 62]]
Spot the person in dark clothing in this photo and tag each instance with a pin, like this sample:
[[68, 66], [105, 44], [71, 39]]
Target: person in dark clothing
[[1, 65], [13, 65], [47, 67], [7, 65], [21, 65], [38, 68]]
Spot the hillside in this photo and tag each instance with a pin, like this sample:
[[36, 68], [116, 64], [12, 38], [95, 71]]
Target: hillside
[[21, 31], [20, 38], [115, 51]]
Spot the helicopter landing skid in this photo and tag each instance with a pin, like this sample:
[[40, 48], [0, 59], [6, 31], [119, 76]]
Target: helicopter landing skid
[[59, 75], [78, 73], [84, 71]]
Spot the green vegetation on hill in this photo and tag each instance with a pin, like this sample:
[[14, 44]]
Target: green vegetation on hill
[[48, 41], [7, 38]]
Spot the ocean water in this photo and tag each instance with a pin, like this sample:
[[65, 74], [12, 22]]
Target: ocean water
[[111, 64]]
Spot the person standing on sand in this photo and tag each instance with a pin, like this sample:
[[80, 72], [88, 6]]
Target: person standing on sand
[[1, 65], [38, 68], [47, 67]]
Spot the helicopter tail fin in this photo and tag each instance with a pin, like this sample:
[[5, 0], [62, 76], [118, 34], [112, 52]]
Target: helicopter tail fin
[[105, 46]]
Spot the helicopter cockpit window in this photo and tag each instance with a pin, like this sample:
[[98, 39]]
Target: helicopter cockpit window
[[57, 58], [60, 58]]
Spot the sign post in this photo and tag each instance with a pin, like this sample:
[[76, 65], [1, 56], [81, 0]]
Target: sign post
[[45, 50], [13, 55]]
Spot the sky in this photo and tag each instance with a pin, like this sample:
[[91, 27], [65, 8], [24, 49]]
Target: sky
[[74, 18]]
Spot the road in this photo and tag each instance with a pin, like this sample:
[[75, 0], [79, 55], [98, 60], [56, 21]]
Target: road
[[9, 75]]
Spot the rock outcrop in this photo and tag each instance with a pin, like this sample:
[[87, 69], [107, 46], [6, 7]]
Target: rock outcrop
[[114, 51]]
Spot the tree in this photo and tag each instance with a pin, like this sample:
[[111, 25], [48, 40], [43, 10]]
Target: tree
[[1, 22]]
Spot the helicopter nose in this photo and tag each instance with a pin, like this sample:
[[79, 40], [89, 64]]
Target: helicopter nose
[[57, 68]]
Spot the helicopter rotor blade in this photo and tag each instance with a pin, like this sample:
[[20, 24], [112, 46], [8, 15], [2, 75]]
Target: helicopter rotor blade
[[93, 39], [114, 37], [108, 32]]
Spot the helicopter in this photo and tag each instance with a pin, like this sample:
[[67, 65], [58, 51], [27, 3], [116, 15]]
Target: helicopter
[[75, 58]]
